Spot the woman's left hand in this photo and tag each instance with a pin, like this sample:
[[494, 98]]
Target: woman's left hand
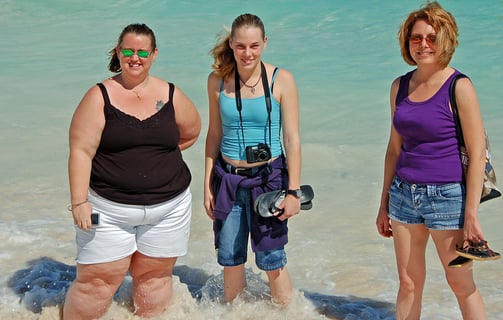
[[289, 207], [472, 230]]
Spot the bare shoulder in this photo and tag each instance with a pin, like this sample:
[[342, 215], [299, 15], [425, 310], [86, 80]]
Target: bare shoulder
[[93, 99], [281, 74], [159, 83], [284, 81], [396, 82], [285, 76], [214, 82], [464, 83], [213, 78]]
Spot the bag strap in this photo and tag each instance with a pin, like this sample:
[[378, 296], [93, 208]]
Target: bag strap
[[454, 106]]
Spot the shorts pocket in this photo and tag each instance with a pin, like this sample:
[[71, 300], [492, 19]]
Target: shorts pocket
[[453, 192], [395, 194]]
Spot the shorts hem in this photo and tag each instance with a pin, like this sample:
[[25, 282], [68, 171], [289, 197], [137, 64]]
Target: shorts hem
[[104, 260], [165, 255], [272, 267], [405, 221], [231, 263]]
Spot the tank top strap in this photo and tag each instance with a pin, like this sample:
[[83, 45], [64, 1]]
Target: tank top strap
[[274, 74], [104, 93], [403, 87], [171, 91]]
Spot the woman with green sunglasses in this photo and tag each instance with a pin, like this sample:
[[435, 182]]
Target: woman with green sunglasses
[[129, 185]]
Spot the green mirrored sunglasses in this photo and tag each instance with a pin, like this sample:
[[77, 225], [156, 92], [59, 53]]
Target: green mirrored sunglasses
[[130, 52]]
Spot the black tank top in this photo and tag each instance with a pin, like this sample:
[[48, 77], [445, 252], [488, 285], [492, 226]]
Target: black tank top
[[138, 161]]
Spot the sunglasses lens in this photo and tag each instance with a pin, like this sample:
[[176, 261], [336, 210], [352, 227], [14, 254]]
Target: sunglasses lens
[[143, 54], [416, 40], [431, 38], [127, 52]]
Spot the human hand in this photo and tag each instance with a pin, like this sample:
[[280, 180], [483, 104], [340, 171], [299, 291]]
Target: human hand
[[383, 223], [82, 216], [209, 205], [472, 230], [289, 207]]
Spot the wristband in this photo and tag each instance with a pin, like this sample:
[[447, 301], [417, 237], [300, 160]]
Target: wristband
[[73, 206]]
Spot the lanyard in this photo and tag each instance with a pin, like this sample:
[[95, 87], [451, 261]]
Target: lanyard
[[267, 95]]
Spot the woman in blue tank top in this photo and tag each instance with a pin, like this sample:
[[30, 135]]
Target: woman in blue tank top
[[424, 194], [251, 105]]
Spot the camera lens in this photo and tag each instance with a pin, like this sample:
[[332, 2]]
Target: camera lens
[[262, 156]]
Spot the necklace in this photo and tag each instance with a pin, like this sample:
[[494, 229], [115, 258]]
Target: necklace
[[252, 88], [137, 95], [142, 86]]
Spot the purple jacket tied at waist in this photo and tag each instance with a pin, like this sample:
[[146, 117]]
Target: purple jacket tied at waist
[[266, 233]]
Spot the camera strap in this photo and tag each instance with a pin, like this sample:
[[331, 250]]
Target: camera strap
[[267, 95]]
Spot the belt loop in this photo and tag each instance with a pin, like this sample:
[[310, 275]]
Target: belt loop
[[432, 190]]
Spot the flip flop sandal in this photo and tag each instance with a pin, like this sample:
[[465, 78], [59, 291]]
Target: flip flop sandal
[[477, 251], [458, 262], [267, 203]]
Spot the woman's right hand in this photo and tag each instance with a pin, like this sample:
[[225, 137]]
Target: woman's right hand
[[82, 216], [383, 223], [209, 204]]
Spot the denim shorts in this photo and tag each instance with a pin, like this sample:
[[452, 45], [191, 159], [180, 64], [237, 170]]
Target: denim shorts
[[438, 207], [233, 240]]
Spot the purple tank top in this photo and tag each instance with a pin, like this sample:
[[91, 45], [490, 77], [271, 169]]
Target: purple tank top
[[429, 153]]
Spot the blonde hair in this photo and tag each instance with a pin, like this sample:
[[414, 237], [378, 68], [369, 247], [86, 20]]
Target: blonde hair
[[444, 24], [223, 56]]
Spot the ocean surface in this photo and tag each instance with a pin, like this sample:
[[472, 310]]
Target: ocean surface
[[344, 55]]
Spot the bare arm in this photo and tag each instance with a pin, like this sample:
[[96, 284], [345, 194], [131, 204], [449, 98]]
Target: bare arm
[[285, 84], [473, 131], [85, 133], [392, 153], [213, 141], [187, 119]]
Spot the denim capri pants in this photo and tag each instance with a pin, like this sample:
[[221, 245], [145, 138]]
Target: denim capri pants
[[233, 240], [438, 207]]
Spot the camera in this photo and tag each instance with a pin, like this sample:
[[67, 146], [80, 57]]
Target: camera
[[258, 153]]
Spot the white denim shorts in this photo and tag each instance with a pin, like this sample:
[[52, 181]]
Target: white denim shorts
[[160, 231]]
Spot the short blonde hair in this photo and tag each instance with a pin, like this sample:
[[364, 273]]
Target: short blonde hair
[[444, 24]]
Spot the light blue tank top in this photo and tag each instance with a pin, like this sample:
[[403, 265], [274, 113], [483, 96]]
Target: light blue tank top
[[255, 125]]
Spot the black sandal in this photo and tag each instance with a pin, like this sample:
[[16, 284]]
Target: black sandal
[[458, 262], [477, 251]]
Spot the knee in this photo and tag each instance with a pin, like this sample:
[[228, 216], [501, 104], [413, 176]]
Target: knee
[[151, 295], [461, 286], [101, 288], [411, 284]]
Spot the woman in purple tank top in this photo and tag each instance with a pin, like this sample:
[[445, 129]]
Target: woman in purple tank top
[[424, 194]]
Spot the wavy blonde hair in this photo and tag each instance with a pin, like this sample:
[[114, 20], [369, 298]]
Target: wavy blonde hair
[[444, 24], [223, 56]]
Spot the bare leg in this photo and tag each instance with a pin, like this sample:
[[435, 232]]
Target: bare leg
[[410, 244], [460, 279], [234, 281], [281, 285], [92, 292], [152, 284]]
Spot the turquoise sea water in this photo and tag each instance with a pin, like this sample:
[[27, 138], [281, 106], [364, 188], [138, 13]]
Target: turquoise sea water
[[344, 55]]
